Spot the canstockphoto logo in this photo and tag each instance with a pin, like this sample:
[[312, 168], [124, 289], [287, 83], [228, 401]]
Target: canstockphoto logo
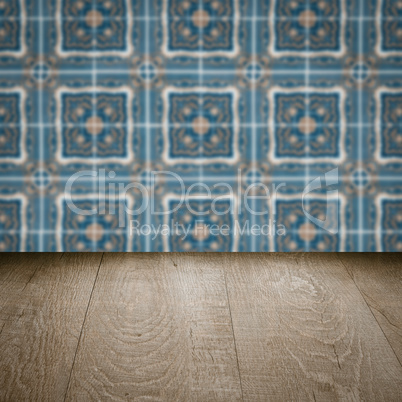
[[331, 221]]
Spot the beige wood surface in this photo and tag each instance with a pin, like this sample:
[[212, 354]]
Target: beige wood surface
[[44, 314], [304, 332], [15, 273], [158, 328], [379, 279], [207, 327]]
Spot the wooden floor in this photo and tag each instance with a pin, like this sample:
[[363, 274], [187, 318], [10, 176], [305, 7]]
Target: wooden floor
[[201, 327]]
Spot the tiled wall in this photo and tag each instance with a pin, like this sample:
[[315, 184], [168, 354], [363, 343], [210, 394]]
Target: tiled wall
[[303, 95]]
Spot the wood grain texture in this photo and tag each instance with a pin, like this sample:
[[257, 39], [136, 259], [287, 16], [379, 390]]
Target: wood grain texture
[[379, 279], [43, 312], [15, 273], [207, 327], [304, 332], [158, 328]]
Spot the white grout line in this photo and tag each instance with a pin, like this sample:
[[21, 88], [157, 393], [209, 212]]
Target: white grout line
[[122, 231], [307, 114], [200, 107], [189, 125], [147, 116], [94, 113], [360, 118], [224, 72], [254, 157], [216, 178], [41, 128], [201, 73], [213, 18]]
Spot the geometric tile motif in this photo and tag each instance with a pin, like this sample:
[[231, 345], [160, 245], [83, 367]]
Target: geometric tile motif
[[303, 235], [203, 226], [390, 36], [300, 27], [389, 127], [103, 29], [78, 232], [12, 224], [201, 124], [310, 122], [94, 124], [12, 28], [390, 226], [12, 125], [208, 30]]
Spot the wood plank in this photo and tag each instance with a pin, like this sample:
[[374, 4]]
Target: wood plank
[[16, 270], [158, 327], [304, 332], [379, 278], [39, 339]]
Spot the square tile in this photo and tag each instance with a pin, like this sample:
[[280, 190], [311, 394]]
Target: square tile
[[82, 226], [202, 29], [302, 27], [12, 223], [12, 28], [94, 124], [390, 28], [389, 227], [200, 123], [94, 28], [199, 229], [312, 226], [389, 124], [307, 122], [12, 125]]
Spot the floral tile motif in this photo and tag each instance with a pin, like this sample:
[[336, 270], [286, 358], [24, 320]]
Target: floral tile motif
[[268, 97], [389, 126], [203, 227], [12, 26], [94, 124], [12, 223], [201, 124], [89, 231], [12, 129], [104, 28], [316, 26], [390, 224], [307, 122], [304, 235], [390, 38]]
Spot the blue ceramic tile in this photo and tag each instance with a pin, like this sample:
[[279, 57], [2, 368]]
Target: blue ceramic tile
[[291, 110]]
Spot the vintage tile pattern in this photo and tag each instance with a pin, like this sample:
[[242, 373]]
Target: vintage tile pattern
[[85, 233], [200, 124], [202, 232], [12, 128], [95, 27], [311, 121], [85, 134], [232, 93], [308, 26], [306, 235], [12, 212], [209, 27], [12, 28], [391, 26]]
